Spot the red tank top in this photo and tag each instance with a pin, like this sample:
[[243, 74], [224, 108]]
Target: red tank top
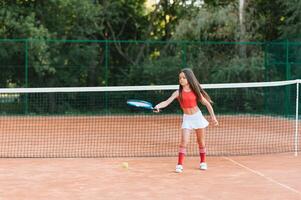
[[188, 100]]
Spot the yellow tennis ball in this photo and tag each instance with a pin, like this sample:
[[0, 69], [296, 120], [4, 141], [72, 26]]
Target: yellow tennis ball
[[125, 165]]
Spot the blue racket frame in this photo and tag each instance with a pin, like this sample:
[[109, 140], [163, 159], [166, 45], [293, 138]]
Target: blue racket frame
[[140, 104]]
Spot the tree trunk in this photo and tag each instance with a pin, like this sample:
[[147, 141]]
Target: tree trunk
[[242, 37]]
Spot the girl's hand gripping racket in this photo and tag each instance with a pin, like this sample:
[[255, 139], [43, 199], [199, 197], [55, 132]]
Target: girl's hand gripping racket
[[140, 104]]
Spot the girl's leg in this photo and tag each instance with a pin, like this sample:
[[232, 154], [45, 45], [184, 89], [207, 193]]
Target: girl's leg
[[182, 147], [200, 133]]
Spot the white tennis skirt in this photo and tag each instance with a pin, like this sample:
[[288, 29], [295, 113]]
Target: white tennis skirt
[[194, 121]]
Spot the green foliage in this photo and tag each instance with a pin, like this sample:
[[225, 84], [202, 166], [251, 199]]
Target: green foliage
[[166, 16], [16, 23], [291, 27], [75, 64], [79, 61], [53, 64], [263, 19], [163, 71], [216, 63], [84, 63], [216, 3], [70, 19], [240, 70], [123, 20], [209, 24]]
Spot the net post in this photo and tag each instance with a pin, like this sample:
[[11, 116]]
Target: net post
[[106, 72], [26, 75], [296, 124]]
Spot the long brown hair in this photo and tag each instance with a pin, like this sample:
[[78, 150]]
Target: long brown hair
[[194, 85]]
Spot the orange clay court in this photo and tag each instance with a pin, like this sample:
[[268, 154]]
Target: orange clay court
[[82, 158]]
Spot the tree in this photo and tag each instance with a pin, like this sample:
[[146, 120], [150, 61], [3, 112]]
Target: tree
[[217, 3], [75, 63], [18, 23], [209, 24], [123, 20], [212, 56], [167, 14], [263, 19], [38, 21], [291, 20]]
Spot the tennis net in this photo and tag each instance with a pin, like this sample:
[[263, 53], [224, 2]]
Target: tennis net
[[254, 118]]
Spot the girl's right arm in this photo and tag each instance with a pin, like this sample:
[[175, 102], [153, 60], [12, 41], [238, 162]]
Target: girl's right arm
[[165, 103]]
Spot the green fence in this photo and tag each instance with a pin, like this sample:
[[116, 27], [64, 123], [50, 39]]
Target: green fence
[[283, 60], [76, 63]]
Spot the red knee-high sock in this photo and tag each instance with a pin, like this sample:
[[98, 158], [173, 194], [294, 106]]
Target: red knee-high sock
[[182, 152], [202, 154]]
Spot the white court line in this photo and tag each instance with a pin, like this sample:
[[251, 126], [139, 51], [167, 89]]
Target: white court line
[[262, 175]]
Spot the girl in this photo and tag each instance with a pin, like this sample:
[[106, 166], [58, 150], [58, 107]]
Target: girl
[[190, 91]]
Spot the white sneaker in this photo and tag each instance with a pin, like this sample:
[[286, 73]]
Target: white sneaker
[[179, 168], [203, 166]]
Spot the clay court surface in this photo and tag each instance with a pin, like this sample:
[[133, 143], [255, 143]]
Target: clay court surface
[[81, 158], [261, 177]]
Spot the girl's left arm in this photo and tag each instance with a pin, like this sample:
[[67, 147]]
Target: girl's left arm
[[208, 105]]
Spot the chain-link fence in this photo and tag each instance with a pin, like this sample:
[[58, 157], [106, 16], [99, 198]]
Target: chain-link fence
[[76, 63]]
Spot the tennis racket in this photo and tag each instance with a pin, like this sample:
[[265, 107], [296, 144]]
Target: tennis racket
[[140, 104]]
